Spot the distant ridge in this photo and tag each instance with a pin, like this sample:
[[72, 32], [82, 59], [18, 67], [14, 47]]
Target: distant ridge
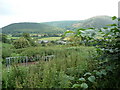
[[95, 22], [30, 28], [58, 26]]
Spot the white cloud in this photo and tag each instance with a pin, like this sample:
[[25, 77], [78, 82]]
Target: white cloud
[[53, 10]]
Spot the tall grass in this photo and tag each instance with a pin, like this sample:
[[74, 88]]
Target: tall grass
[[69, 63]]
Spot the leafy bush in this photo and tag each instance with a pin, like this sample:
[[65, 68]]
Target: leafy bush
[[107, 45], [14, 77], [7, 49], [21, 43]]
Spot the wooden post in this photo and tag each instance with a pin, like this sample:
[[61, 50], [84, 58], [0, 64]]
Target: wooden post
[[26, 60], [23, 59], [14, 58], [6, 61], [9, 62]]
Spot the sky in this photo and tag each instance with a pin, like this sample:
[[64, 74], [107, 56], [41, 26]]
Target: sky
[[14, 11]]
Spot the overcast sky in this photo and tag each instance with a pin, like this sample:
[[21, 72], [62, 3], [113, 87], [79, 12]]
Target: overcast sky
[[14, 11]]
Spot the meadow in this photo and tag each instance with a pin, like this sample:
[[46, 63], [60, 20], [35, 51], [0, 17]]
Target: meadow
[[50, 38]]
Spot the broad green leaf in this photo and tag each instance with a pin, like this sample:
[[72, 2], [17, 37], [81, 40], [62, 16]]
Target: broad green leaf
[[91, 78], [91, 28], [109, 68], [112, 25], [114, 17], [69, 31], [81, 29], [114, 29], [88, 73], [71, 78], [94, 71], [103, 71], [105, 27], [98, 73], [76, 86], [78, 33], [84, 85], [82, 79]]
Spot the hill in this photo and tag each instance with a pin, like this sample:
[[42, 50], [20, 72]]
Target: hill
[[61, 24], [58, 26], [31, 28], [94, 22]]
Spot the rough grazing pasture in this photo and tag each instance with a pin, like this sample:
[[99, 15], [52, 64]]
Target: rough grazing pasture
[[61, 72]]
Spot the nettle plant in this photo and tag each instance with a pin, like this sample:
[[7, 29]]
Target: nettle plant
[[107, 43], [90, 79], [106, 40]]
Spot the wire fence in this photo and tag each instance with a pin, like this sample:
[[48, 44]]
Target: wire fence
[[26, 59]]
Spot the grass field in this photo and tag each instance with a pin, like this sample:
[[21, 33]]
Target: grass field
[[50, 38], [46, 38], [13, 37]]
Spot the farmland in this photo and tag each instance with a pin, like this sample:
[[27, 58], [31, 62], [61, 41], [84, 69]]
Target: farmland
[[50, 38]]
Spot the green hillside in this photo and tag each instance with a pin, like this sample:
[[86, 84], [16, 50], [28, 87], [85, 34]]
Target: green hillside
[[61, 24], [58, 26], [95, 22], [31, 28]]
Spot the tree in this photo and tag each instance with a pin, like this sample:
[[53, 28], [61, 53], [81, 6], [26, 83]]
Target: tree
[[27, 36], [3, 38], [21, 43]]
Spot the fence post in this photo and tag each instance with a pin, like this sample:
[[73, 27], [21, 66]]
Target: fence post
[[26, 60], [9, 62], [6, 61]]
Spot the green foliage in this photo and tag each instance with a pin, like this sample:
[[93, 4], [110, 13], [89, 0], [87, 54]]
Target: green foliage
[[24, 41], [14, 54], [60, 72], [7, 50], [76, 86], [114, 17], [109, 41], [84, 85], [14, 77], [21, 43], [4, 38], [88, 73], [108, 48], [27, 36], [91, 78], [82, 79]]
